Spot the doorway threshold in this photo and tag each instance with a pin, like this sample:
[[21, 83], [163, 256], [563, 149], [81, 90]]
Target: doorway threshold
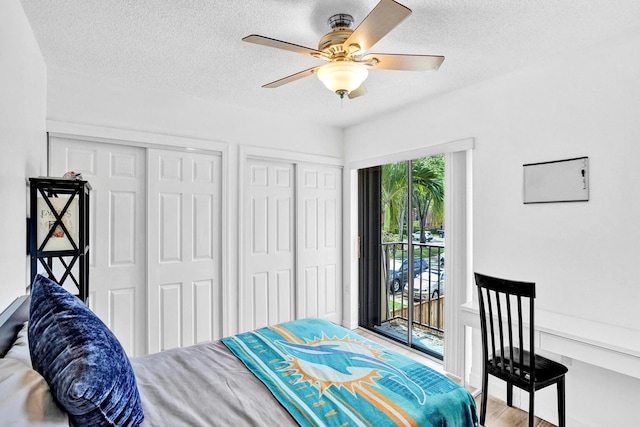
[[423, 340]]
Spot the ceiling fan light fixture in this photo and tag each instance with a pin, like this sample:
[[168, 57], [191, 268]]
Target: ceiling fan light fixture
[[345, 49], [342, 77]]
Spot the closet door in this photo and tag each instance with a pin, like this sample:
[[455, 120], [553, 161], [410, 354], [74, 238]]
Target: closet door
[[184, 248], [319, 254], [268, 255], [117, 272]]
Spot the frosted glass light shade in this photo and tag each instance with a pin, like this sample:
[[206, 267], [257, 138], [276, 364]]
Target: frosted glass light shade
[[342, 76]]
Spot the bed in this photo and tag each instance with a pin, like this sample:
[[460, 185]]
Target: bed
[[304, 372]]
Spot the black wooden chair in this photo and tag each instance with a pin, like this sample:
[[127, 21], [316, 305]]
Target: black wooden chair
[[507, 351]]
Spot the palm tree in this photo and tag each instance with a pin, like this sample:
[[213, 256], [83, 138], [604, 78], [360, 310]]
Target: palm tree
[[394, 195], [428, 189], [428, 192]]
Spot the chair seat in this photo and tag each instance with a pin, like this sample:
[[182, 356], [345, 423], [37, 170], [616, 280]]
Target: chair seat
[[546, 370]]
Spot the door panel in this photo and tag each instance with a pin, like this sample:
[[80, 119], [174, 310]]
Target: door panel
[[185, 248], [170, 316], [117, 272], [319, 254], [267, 294], [292, 263]]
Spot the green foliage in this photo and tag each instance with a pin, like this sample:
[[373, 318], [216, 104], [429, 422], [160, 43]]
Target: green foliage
[[394, 195], [427, 195], [395, 305], [388, 236], [428, 189]]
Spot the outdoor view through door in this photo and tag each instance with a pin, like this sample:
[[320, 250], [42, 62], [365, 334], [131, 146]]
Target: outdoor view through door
[[402, 265]]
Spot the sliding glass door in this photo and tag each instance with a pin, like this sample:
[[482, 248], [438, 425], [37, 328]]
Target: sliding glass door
[[401, 222]]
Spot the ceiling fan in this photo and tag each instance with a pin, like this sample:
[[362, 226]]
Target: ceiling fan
[[345, 50]]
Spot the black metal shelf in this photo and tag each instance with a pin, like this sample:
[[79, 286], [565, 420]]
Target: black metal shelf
[[59, 231]]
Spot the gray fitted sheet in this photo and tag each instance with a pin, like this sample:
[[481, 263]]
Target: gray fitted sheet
[[204, 385]]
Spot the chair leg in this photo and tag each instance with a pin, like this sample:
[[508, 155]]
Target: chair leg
[[561, 406], [509, 394], [485, 393], [532, 394]]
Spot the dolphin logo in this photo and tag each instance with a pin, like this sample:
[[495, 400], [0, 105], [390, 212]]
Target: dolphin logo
[[341, 357]]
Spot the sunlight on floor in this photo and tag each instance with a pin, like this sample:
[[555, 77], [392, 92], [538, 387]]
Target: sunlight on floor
[[411, 353]]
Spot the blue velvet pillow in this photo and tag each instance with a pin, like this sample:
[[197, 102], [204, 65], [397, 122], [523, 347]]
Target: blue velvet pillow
[[81, 360]]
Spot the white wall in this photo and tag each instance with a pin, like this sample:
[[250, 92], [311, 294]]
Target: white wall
[[80, 99], [583, 256], [22, 140]]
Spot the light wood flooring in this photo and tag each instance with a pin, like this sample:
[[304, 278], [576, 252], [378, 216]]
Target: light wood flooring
[[498, 413]]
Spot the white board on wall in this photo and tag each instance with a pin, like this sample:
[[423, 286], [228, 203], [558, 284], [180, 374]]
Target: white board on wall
[[556, 181]]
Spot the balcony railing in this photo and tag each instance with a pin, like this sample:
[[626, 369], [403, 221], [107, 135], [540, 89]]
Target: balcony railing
[[426, 278]]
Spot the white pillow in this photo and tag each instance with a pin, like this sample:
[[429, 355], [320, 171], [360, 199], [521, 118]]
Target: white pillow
[[26, 399], [20, 348]]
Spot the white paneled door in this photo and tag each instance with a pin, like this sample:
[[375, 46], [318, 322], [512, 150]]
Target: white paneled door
[[117, 274], [319, 260], [184, 200], [156, 249], [266, 292], [292, 223]]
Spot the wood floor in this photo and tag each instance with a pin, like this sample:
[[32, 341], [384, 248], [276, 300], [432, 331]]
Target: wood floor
[[498, 413]]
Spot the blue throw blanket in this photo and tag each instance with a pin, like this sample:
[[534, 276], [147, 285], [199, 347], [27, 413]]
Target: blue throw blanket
[[326, 375]]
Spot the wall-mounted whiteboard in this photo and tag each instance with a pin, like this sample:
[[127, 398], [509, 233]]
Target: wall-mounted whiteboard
[[557, 181]]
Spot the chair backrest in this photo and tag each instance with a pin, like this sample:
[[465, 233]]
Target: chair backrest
[[501, 312]]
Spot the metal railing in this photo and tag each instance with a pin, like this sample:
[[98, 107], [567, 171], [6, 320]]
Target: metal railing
[[400, 277]]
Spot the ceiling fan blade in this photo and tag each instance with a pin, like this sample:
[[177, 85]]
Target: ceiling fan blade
[[361, 90], [389, 61], [291, 78], [382, 19], [279, 44]]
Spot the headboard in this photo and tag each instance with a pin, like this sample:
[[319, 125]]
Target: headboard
[[11, 320]]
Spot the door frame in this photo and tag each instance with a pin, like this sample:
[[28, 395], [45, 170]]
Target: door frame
[[458, 214], [370, 241]]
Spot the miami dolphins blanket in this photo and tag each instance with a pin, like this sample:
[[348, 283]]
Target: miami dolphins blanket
[[326, 375]]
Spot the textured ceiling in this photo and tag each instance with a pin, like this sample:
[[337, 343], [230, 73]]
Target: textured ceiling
[[194, 46]]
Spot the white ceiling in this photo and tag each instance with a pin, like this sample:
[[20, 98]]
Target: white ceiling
[[194, 46]]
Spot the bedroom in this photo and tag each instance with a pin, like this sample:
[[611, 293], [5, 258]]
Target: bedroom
[[571, 106]]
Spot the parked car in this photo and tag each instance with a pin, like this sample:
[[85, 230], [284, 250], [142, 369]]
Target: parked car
[[442, 260], [427, 236], [399, 271], [426, 285]]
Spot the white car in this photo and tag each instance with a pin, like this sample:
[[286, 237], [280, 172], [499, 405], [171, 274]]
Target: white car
[[428, 285], [427, 236]]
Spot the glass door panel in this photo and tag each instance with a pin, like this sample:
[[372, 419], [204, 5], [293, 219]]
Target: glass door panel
[[411, 253]]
